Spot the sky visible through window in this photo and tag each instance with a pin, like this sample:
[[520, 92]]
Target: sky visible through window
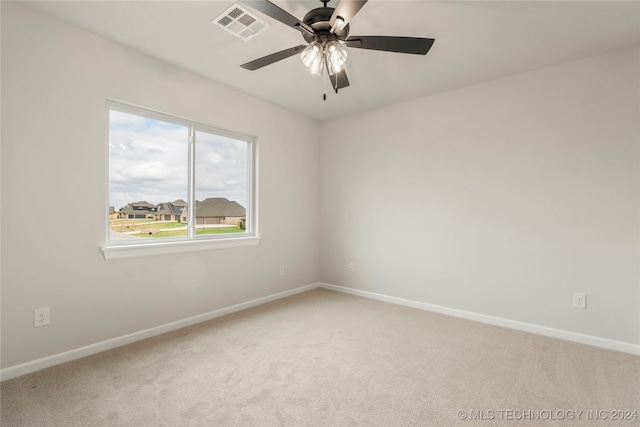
[[148, 161]]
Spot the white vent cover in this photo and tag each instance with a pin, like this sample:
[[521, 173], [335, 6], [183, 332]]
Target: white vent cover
[[240, 22]]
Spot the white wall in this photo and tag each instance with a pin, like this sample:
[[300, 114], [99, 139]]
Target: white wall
[[55, 79], [501, 199]]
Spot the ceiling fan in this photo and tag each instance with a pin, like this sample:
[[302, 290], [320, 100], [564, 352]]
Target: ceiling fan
[[326, 30]]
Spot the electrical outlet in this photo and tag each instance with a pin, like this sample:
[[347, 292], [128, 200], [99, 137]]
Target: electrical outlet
[[40, 317], [282, 270], [352, 266], [579, 300]]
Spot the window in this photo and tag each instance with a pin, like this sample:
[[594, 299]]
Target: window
[[175, 184]]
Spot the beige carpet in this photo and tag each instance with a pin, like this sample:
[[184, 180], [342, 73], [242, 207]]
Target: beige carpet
[[327, 359]]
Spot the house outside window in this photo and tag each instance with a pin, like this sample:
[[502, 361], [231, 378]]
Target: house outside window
[[176, 181]]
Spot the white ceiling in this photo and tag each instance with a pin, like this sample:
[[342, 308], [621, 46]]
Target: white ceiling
[[475, 41]]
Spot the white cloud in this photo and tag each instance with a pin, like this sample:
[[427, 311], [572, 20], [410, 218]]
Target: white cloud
[[148, 160]]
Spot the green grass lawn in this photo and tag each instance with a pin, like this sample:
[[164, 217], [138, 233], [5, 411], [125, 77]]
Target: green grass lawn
[[200, 231], [173, 233], [132, 225], [127, 224], [144, 227]]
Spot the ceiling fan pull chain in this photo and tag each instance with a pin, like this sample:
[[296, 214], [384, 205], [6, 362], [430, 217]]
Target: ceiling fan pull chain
[[324, 82]]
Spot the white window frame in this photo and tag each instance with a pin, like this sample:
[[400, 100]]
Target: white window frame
[[125, 249]]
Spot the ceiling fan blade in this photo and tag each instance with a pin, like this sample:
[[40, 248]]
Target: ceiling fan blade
[[346, 9], [339, 81], [278, 14], [415, 45], [274, 57]]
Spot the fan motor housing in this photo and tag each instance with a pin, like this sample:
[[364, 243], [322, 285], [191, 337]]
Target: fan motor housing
[[320, 20]]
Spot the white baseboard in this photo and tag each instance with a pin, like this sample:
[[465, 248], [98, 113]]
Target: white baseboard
[[498, 321], [67, 356]]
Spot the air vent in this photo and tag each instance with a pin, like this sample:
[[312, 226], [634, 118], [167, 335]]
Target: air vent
[[240, 22]]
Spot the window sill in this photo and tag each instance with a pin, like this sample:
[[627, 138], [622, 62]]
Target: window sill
[[148, 249]]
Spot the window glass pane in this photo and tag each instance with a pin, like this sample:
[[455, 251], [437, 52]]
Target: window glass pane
[[157, 174], [221, 184], [148, 177]]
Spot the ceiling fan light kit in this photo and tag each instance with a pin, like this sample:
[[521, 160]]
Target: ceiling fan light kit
[[331, 53], [326, 31], [313, 58], [336, 56]]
